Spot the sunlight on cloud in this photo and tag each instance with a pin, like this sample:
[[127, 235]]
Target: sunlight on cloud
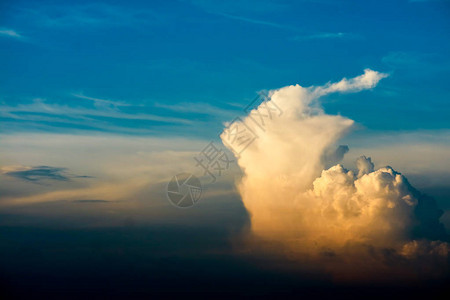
[[294, 201]]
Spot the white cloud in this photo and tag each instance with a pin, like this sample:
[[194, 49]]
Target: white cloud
[[326, 35], [80, 115], [255, 21], [294, 201], [10, 33], [99, 101], [201, 108], [365, 81], [233, 9]]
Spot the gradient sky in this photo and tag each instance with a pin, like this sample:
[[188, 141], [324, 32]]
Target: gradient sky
[[101, 103], [112, 67]]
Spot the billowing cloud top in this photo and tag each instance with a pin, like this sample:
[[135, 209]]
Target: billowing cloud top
[[294, 200]]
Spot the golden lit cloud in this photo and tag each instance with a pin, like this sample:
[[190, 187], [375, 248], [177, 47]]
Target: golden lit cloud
[[294, 200]]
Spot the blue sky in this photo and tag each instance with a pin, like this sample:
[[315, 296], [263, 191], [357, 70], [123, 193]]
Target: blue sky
[[171, 68]]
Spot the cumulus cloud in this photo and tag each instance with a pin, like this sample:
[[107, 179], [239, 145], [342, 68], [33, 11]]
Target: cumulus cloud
[[294, 198], [364, 165], [333, 157]]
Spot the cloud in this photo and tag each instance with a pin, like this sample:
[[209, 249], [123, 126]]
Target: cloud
[[36, 173], [101, 102], [39, 173], [255, 21], [91, 201], [326, 36], [418, 153], [364, 165], [201, 108], [41, 111], [424, 248], [295, 201], [10, 33], [91, 15], [120, 166], [232, 9], [333, 157]]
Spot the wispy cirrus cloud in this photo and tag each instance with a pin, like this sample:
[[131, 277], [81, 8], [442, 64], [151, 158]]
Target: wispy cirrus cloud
[[99, 101], [256, 21], [235, 9], [326, 36], [10, 33], [201, 108], [39, 173], [103, 115], [91, 201], [41, 106], [242, 10]]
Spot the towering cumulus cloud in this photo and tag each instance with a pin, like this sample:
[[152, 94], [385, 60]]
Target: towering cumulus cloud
[[300, 198]]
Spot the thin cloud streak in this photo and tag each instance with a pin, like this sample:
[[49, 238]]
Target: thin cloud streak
[[103, 101], [326, 36], [10, 33], [200, 108], [39, 173], [40, 107], [254, 21]]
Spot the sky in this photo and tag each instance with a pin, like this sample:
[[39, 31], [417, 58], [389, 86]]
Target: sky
[[102, 103], [182, 60]]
